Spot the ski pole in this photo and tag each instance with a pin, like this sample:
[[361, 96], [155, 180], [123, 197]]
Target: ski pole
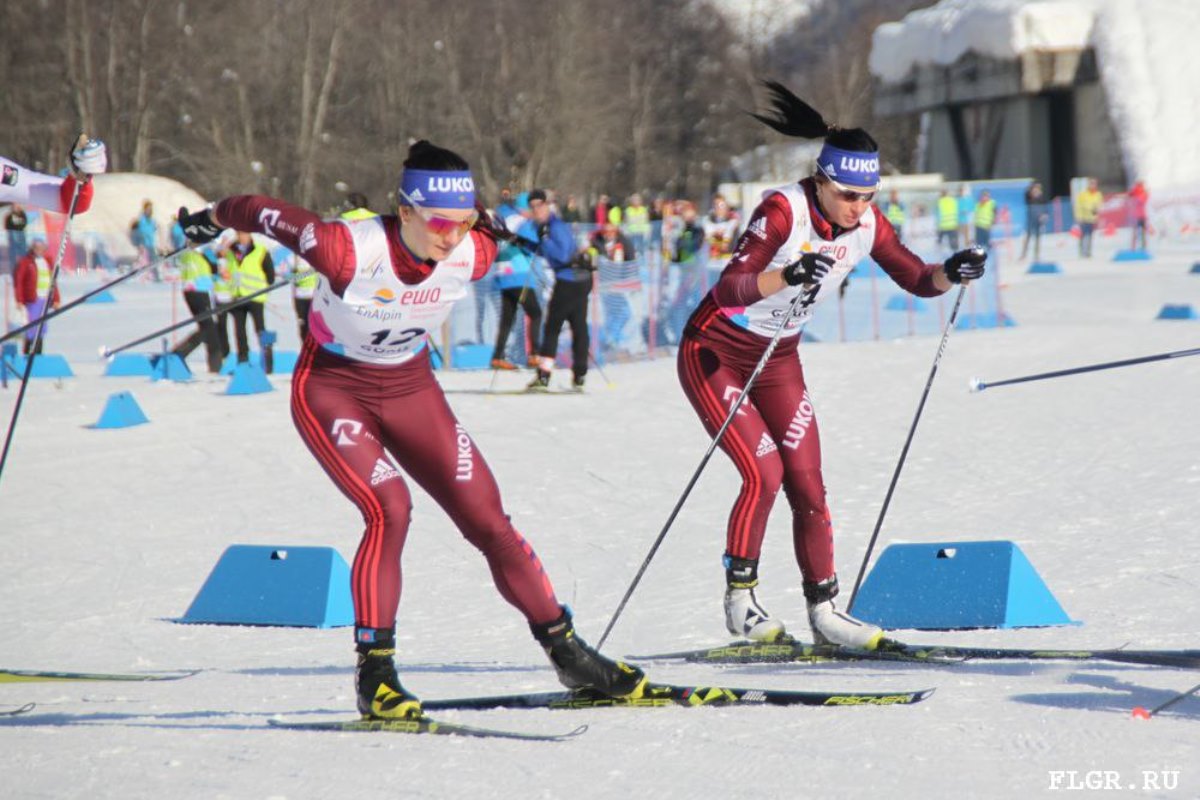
[[907, 442], [106, 352], [35, 348], [87, 296], [1144, 714], [733, 409], [978, 385]]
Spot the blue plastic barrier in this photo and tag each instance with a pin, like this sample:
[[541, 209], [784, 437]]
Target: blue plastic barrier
[[125, 365], [1043, 268], [46, 365], [1177, 311], [957, 585], [169, 367], [306, 587], [248, 379], [121, 411]]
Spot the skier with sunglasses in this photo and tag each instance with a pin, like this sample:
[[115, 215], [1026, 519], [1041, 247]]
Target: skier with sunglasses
[[803, 239], [364, 396]]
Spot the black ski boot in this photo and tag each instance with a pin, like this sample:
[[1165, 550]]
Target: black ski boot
[[380, 695], [579, 666]]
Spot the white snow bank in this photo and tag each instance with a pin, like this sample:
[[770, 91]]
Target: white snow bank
[[1142, 51]]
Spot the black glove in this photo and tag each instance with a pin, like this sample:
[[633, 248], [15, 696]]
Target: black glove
[[809, 268], [966, 265], [198, 227]]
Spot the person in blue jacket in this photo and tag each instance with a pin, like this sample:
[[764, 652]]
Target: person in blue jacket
[[518, 285], [569, 298]]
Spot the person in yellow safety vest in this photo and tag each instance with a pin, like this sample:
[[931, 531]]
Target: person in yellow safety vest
[[985, 217], [947, 211], [250, 270], [637, 223], [357, 207], [895, 213], [196, 277], [31, 284], [1087, 212]]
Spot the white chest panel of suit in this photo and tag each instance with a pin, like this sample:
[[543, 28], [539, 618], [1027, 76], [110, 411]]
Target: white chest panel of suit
[[380, 319], [764, 317]]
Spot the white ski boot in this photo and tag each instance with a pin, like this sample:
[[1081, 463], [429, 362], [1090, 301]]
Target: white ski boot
[[833, 627], [743, 614]]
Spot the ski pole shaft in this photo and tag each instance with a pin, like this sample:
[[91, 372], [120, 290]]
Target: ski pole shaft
[[1176, 699], [65, 307], [978, 385], [733, 409], [41, 326], [912, 429], [212, 312]]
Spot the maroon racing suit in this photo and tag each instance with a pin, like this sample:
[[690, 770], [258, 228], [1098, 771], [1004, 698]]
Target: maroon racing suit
[[773, 439], [353, 415]]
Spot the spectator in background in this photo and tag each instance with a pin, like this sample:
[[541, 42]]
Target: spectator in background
[[357, 207], [1035, 219], [506, 207], [145, 238], [600, 211], [196, 277], [518, 286], [1138, 199], [15, 223], [637, 223], [568, 299], [571, 212], [609, 248], [966, 214], [1087, 212], [895, 213], [178, 239], [720, 229], [985, 218], [251, 269], [222, 293], [947, 211], [31, 285], [685, 260]]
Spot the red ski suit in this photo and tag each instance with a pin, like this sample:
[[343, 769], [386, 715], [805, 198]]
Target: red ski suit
[[353, 414], [773, 439]]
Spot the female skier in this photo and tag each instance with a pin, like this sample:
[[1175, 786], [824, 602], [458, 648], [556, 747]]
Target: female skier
[[803, 239], [364, 394]]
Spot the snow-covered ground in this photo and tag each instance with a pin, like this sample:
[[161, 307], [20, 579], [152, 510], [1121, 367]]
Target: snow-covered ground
[[108, 534]]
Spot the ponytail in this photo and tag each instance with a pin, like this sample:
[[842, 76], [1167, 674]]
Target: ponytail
[[794, 117]]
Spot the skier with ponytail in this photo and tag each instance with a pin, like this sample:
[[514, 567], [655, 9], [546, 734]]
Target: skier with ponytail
[[803, 238], [364, 398]]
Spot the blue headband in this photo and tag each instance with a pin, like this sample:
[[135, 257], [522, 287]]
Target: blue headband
[[853, 169], [437, 189]]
